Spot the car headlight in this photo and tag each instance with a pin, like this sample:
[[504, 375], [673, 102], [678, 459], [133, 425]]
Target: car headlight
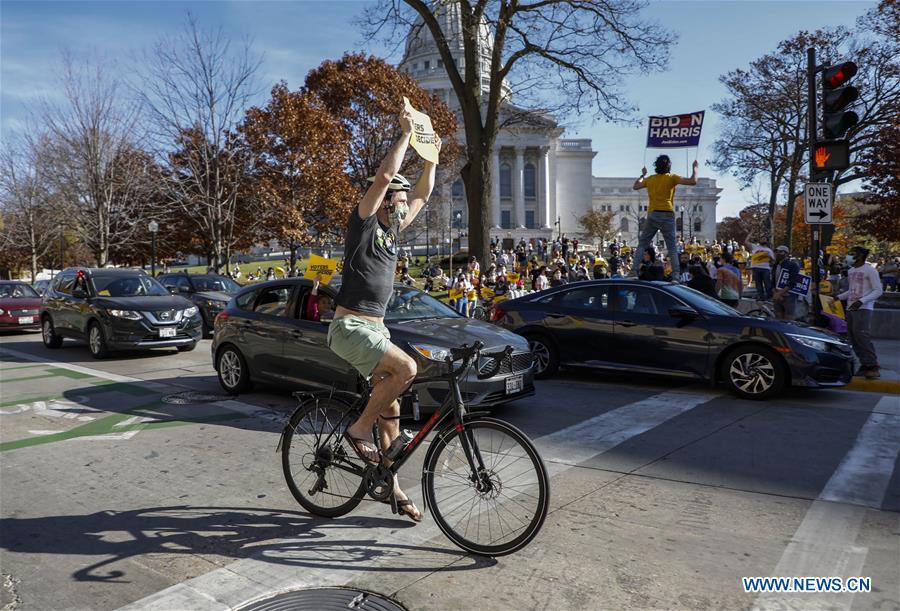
[[816, 343], [2, 311], [432, 353], [216, 305], [190, 312], [126, 314]]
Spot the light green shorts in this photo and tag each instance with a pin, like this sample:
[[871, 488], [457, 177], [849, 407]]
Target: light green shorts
[[360, 342]]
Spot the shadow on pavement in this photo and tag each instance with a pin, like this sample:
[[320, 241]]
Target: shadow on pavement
[[269, 535]]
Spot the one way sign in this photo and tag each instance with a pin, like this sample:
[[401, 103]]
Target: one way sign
[[818, 197]]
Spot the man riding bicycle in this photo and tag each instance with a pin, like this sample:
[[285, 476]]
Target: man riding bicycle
[[357, 334]]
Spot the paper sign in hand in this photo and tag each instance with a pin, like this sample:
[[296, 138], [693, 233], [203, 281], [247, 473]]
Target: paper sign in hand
[[320, 265], [423, 139]]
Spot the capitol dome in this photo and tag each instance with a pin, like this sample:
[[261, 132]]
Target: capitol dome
[[422, 61]]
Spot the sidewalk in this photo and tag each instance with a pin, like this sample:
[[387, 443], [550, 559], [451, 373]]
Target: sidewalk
[[888, 351]]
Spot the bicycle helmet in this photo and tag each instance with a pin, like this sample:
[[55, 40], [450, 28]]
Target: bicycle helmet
[[398, 183]]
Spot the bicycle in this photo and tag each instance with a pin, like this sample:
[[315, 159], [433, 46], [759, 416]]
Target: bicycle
[[483, 480], [763, 309]]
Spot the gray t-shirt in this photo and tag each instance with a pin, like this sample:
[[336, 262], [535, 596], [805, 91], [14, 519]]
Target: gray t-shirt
[[370, 260]]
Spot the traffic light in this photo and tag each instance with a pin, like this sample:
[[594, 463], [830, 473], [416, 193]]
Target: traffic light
[[836, 95]]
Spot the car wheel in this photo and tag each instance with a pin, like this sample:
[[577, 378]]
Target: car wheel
[[754, 372], [48, 334], [234, 375], [96, 341], [187, 347], [546, 356]]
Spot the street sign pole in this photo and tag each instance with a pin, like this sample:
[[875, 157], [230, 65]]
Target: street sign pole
[[811, 113]]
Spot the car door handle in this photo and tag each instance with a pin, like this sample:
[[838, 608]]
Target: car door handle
[[555, 315], [627, 323]]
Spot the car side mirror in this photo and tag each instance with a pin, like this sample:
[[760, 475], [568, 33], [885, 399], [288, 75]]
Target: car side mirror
[[172, 288], [183, 289], [79, 294], [683, 312]]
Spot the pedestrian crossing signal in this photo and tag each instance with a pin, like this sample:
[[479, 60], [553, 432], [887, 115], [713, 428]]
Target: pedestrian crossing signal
[[832, 155]]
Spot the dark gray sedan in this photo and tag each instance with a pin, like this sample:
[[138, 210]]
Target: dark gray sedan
[[267, 334]]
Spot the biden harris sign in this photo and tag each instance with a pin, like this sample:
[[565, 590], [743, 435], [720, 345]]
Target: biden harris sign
[[676, 131]]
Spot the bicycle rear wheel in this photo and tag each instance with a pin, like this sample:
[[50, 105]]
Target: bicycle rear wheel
[[498, 511], [321, 469]]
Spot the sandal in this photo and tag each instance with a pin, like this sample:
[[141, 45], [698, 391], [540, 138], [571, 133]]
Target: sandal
[[406, 507], [362, 450]]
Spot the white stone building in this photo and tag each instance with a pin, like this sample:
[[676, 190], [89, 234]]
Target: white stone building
[[543, 182]]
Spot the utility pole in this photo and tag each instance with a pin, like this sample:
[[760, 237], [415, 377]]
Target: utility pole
[[811, 70]]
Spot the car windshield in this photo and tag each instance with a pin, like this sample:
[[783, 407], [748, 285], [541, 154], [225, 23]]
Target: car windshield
[[215, 283], [17, 291], [413, 304], [704, 303], [118, 285]]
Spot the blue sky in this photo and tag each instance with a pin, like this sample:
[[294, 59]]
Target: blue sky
[[293, 36]]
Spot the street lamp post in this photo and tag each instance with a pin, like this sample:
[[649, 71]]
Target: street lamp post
[[426, 234], [558, 228], [459, 230], [153, 227]]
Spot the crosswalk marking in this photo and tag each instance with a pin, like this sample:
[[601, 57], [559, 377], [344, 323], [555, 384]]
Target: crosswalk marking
[[243, 580], [825, 543]]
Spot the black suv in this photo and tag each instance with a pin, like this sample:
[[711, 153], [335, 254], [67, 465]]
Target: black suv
[[117, 309], [209, 292]]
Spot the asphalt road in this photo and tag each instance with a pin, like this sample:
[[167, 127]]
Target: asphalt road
[[663, 496]]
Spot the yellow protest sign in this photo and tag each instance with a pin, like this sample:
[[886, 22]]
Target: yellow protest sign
[[423, 139], [824, 287], [830, 305], [472, 295], [512, 277], [833, 250], [320, 265], [487, 293], [456, 294], [626, 250]]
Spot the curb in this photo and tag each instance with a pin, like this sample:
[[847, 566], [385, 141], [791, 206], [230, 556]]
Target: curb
[[882, 386]]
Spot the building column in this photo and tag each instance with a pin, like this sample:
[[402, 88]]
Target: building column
[[519, 188], [544, 173], [495, 187]]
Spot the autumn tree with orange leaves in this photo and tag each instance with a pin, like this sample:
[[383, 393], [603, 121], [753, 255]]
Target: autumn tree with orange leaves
[[299, 177], [365, 94]]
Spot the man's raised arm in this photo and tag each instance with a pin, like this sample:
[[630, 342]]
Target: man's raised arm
[[389, 167], [422, 191]]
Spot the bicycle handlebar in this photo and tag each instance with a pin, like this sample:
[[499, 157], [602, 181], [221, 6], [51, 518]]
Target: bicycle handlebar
[[468, 354]]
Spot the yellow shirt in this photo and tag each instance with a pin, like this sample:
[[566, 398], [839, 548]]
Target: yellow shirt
[[661, 191]]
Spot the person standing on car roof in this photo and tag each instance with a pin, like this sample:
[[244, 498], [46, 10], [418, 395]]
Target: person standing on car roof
[[661, 217]]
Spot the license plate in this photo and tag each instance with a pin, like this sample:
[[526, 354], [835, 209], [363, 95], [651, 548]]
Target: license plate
[[514, 384], [26, 320], [167, 332]]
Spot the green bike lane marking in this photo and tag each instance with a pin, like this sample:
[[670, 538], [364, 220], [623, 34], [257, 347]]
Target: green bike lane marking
[[52, 372], [103, 386], [107, 425]]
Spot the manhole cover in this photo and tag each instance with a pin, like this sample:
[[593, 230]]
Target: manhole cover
[[192, 396], [325, 599]]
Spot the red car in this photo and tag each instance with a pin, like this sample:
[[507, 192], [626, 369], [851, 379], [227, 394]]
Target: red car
[[19, 306]]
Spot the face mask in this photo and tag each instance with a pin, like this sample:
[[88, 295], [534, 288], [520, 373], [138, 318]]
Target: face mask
[[401, 209]]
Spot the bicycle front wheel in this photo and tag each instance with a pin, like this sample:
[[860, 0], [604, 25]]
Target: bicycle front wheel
[[322, 471], [499, 510]]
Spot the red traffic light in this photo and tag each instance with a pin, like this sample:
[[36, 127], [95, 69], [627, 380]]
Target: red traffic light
[[837, 75]]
